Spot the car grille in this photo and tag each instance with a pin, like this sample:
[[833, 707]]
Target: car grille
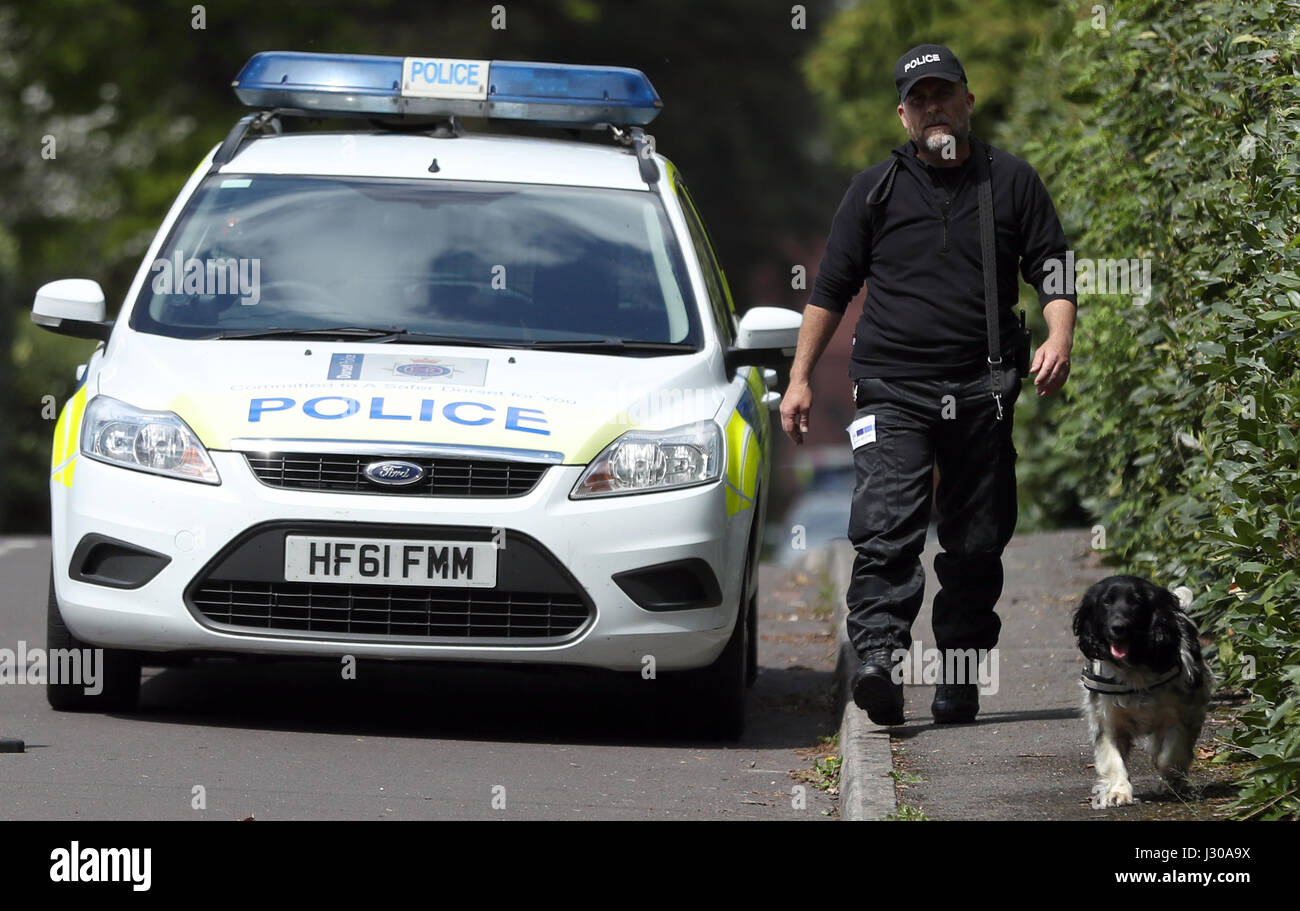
[[389, 611], [444, 477]]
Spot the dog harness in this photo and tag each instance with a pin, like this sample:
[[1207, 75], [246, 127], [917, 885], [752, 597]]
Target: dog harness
[[1095, 679]]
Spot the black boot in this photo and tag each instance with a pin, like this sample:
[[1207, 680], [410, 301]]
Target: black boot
[[955, 703], [874, 690]]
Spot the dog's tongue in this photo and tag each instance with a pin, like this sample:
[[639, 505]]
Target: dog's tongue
[[1119, 650]]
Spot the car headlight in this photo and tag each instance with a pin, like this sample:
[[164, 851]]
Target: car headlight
[[154, 441], [648, 460]]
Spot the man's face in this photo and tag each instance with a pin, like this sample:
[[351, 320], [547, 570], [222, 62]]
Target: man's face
[[936, 113]]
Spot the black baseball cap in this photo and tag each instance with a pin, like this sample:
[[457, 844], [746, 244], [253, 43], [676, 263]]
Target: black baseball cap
[[924, 61]]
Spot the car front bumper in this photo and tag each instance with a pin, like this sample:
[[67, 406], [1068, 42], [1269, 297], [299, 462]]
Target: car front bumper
[[197, 526]]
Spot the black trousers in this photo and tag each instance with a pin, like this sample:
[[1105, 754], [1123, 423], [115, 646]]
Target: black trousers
[[921, 421]]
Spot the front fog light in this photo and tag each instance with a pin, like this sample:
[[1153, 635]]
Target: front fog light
[[641, 461], [154, 441]]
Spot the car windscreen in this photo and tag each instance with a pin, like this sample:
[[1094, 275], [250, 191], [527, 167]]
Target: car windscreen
[[478, 261]]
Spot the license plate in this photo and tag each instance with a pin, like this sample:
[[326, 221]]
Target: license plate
[[389, 561]]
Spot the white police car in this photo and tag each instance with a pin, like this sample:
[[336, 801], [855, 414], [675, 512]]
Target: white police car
[[403, 392]]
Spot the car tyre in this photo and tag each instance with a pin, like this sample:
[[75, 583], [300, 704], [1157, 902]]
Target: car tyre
[[119, 671], [751, 669], [712, 699]]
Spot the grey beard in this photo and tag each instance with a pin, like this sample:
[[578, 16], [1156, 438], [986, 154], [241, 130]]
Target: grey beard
[[947, 137], [936, 141]]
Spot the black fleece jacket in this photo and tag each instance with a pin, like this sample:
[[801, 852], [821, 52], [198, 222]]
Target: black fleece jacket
[[919, 252]]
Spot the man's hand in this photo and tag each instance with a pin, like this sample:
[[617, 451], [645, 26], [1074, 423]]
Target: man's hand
[[818, 326], [1052, 366], [1053, 358], [795, 406]]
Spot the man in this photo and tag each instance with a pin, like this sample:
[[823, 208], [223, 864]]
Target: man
[[924, 383]]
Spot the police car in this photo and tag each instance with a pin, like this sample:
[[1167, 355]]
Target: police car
[[408, 392]]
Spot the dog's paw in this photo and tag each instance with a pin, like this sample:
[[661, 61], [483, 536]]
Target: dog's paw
[[1182, 788], [1106, 795]]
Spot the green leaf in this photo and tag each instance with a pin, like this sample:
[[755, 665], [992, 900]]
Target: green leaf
[[1281, 712]]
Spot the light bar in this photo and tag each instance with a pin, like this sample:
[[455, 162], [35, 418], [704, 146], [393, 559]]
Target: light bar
[[361, 84]]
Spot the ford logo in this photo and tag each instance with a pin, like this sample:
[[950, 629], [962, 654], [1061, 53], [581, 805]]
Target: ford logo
[[394, 473]]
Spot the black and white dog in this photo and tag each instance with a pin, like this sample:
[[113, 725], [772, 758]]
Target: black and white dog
[[1144, 678]]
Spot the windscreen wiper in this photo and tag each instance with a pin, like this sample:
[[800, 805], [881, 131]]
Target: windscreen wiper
[[349, 332], [394, 334], [610, 344], [365, 334], [425, 338]]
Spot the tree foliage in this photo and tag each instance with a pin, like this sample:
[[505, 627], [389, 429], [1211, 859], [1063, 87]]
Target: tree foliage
[[1170, 131]]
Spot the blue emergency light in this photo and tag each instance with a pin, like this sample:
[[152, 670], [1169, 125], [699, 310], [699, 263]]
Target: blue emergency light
[[432, 86]]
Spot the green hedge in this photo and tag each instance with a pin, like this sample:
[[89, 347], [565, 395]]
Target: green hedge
[[1170, 131]]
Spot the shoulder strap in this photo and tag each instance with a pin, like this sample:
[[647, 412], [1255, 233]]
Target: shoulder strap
[[878, 196], [885, 185], [988, 252]]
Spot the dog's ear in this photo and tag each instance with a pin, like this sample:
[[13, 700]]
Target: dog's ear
[[1189, 652], [1164, 635], [1085, 623], [1084, 605]]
